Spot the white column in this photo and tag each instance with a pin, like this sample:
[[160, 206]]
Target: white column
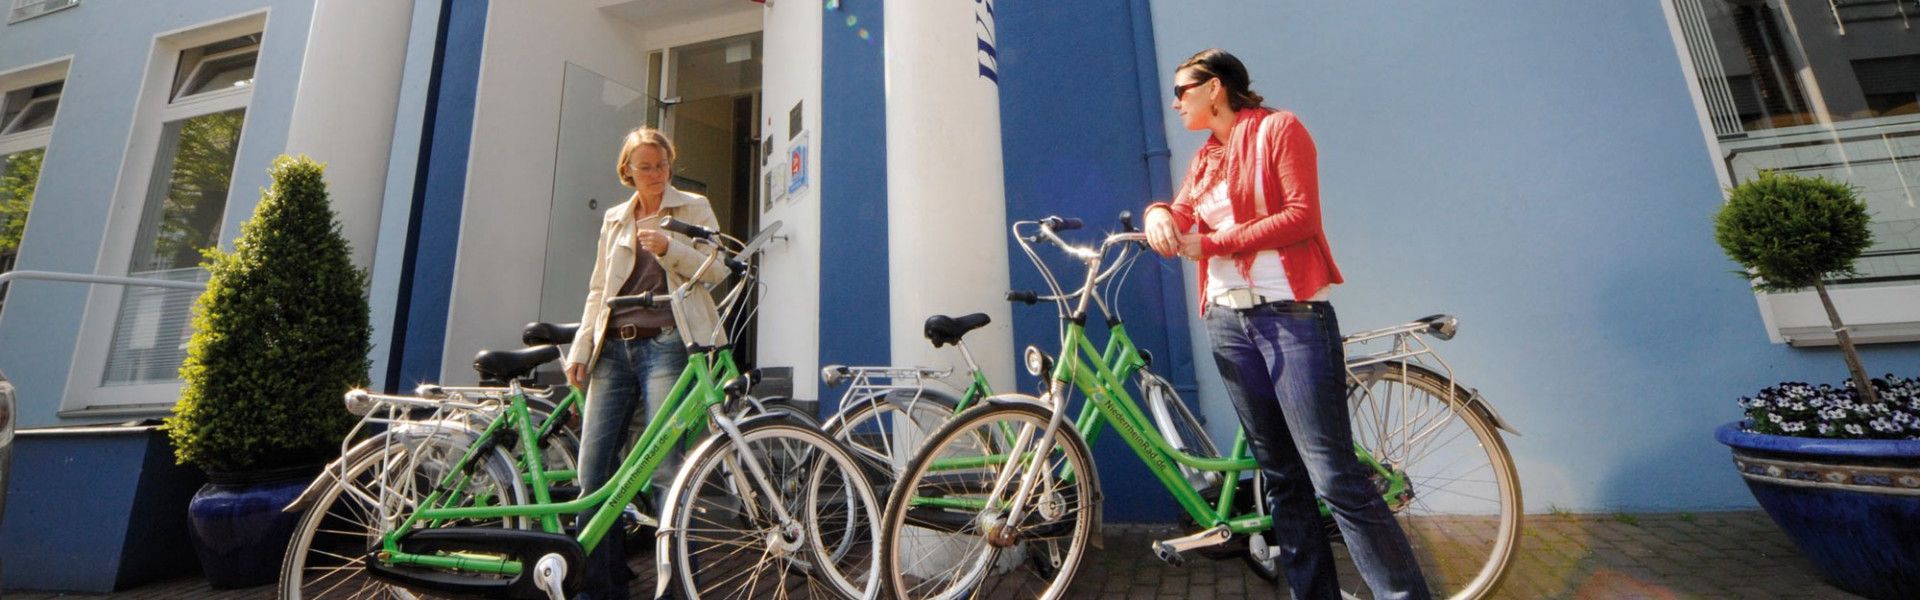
[[946, 196], [344, 112]]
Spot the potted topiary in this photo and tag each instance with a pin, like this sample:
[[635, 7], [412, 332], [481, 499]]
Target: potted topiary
[[280, 333], [1837, 468]]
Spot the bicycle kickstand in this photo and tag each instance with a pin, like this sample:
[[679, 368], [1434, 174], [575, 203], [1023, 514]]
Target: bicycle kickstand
[[1170, 550]]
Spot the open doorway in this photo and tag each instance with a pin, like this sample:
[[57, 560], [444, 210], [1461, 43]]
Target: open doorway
[[711, 91], [706, 97]]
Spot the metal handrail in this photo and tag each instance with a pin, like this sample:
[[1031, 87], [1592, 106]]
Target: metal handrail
[[91, 278]]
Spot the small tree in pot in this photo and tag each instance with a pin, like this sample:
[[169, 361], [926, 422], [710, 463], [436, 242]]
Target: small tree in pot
[[280, 333], [1793, 233], [1837, 469]]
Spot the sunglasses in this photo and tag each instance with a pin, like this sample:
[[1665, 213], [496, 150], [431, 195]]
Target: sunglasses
[[1181, 90]]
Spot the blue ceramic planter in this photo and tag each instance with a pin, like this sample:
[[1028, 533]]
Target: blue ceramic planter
[[1852, 506], [238, 528]]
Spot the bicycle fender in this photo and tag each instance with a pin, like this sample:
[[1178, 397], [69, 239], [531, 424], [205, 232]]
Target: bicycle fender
[[663, 548], [1096, 539], [457, 432], [1479, 403]]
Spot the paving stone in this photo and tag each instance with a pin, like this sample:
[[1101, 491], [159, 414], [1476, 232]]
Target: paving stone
[[1704, 555]]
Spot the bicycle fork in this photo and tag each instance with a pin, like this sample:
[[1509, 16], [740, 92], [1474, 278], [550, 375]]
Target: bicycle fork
[[1003, 534]]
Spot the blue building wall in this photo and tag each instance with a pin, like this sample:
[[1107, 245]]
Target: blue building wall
[[1080, 141], [853, 188], [425, 292], [1538, 169], [110, 42]]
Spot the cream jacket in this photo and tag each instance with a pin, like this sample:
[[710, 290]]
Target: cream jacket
[[613, 263]]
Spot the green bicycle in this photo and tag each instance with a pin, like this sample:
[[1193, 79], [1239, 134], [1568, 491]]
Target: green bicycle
[[448, 509], [1013, 475]]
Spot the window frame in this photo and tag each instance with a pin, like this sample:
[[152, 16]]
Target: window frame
[[25, 10], [1873, 313], [86, 394]]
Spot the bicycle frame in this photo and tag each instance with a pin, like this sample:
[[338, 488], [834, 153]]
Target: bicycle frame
[[1101, 374], [695, 399]]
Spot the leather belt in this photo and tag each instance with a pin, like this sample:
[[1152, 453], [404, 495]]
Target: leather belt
[[1239, 299], [634, 332]]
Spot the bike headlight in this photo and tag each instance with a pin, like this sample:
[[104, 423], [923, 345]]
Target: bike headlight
[[1038, 363]]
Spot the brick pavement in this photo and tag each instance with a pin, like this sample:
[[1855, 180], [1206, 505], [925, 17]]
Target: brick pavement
[[1658, 556]]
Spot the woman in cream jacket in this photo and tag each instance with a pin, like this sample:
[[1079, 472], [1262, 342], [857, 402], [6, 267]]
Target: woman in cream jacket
[[630, 357]]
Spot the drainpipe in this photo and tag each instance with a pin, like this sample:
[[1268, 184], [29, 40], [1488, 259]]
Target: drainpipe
[[1173, 295]]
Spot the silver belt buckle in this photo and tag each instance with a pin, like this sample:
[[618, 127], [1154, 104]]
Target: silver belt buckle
[[1239, 299]]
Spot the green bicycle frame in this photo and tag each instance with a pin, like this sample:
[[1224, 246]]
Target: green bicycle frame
[[683, 412], [1101, 376]]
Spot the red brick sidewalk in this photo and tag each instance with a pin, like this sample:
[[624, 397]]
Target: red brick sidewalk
[[1710, 555]]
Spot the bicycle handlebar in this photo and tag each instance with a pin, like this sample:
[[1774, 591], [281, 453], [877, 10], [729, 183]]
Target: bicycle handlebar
[[687, 229], [1058, 223], [642, 300]]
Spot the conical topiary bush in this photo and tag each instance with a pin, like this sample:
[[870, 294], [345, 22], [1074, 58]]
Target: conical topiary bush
[[280, 333]]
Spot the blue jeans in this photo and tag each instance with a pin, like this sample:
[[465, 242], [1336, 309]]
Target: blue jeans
[[1282, 363], [628, 374]]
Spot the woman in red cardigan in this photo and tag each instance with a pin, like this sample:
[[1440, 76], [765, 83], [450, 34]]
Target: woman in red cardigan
[[1249, 213]]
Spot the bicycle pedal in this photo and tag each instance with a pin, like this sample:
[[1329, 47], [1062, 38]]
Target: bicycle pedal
[[1168, 555], [636, 518], [1171, 551], [550, 576]]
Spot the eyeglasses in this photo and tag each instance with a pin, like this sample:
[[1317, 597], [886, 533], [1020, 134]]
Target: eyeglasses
[[1181, 90]]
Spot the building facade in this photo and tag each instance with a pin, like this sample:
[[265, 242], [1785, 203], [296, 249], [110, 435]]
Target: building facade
[[1547, 172]]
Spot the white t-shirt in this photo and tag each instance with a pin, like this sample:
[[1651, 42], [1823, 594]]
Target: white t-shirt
[[1269, 277]]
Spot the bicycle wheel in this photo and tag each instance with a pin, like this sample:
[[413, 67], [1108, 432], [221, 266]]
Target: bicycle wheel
[[944, 536], [884, 428], [725, 540], [327, 555], [1461, 509]]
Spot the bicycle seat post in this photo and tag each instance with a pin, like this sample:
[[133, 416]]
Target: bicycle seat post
[[972, 367]]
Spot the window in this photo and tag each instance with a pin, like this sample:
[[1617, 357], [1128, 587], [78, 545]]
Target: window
[[185, 204], [27, 9], [26, 123], [1821, 89]]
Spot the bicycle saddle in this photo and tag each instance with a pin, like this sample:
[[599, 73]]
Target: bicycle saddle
[[542, 333], [943, 330], [508, 365]]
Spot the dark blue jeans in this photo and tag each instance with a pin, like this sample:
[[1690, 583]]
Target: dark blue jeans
[[627, 375], [1282, 363]]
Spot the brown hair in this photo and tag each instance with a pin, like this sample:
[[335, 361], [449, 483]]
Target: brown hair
[[1218, 64], [641, 136]]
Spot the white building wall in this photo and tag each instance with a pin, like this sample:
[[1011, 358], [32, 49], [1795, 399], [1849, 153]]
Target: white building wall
[[790, 315]]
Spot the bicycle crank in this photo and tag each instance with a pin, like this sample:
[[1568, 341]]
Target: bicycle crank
[[1170, 551]]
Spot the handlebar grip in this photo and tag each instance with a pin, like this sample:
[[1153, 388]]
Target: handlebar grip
[[737, 266], [1126, 222], [685, 228], [1061, 223], [641, 300], [1027, 296]]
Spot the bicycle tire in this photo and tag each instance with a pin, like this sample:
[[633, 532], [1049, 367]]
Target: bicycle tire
[[1448, 505], [712, 493], [943, 533], [338, 521], [873, 427]]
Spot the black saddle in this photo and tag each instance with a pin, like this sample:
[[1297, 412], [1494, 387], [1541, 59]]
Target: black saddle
[[541, 333], [943, 330], [508, 365]]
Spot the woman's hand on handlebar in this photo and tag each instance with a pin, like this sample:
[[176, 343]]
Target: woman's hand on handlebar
[[1161, 234], [1190, 246]]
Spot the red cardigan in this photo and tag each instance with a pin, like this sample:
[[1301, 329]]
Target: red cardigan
[[1268, 151]]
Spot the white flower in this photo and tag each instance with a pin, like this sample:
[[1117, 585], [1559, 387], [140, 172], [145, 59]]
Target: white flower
[[1855, 429]]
